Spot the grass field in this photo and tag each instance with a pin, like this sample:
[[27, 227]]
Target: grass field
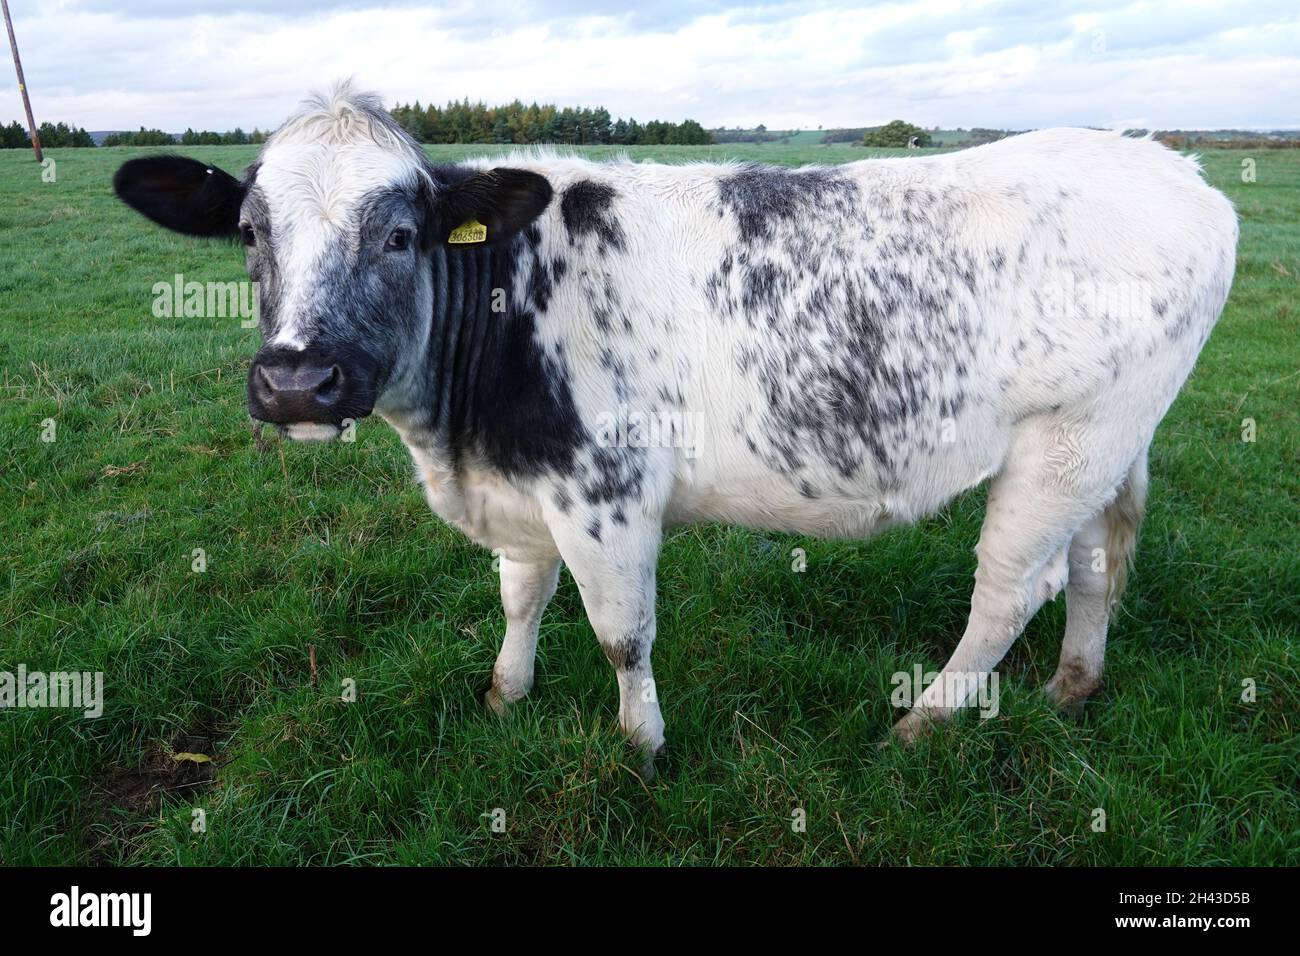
[[775, 684]]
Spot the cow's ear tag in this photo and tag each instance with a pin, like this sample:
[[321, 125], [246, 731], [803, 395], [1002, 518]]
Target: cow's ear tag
[[470, 231]]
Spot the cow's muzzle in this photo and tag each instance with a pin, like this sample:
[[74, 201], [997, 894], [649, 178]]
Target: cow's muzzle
[[302, 389]]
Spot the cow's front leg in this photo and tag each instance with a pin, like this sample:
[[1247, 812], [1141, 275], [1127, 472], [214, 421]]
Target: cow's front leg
[[526, 587], [614, 567]]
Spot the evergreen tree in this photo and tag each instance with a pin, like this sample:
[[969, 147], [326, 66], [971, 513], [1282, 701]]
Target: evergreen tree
[[14, 136]]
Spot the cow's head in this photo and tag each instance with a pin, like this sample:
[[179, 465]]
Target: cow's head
[[340, 216]]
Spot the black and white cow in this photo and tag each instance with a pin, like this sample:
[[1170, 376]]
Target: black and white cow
[[579, 355]]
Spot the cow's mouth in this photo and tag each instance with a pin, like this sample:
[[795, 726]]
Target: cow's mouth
[[310, 431]]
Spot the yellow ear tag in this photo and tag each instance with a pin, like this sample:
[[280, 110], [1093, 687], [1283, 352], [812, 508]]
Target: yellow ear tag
[[471, 231]]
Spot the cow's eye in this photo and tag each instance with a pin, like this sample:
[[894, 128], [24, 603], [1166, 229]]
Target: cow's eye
[[246, 233], [398, 240]]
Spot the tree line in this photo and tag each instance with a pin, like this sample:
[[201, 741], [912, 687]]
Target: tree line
[[516, 123], [463, 122], [53, 135], [235, 137], [14, 136], [156, 137]]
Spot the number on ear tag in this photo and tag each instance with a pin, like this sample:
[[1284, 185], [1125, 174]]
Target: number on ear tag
[[467, 232]]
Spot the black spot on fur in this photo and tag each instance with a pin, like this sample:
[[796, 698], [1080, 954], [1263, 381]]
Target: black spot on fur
[[625, 654], [616, 474], [761, 196], [587, 208]]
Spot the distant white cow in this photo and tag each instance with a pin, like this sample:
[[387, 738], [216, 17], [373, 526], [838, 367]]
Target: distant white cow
[[579, 355]]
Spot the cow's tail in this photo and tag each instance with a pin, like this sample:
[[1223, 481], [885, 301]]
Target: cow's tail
[[1123, 518]]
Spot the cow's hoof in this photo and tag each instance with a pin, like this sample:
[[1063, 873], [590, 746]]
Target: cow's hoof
[[495, 702], [647, 770], [1070, 687], [909, 730], [1066, 702]]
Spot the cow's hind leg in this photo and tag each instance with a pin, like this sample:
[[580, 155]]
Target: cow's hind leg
[[526, 587], [1099, 555], [1045, 492]]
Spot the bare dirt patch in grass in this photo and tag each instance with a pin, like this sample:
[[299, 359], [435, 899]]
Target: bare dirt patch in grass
[[127, 801]]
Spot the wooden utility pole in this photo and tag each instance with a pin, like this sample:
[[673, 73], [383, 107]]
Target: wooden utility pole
[[22, 84]]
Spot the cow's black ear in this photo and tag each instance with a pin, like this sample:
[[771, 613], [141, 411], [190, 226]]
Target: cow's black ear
[[182, 194], [501, 200]]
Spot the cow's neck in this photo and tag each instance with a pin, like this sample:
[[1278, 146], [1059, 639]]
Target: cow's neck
[[491, 396]]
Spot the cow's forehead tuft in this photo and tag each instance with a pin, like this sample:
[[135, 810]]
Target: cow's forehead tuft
[[345, 117], [338, 148]]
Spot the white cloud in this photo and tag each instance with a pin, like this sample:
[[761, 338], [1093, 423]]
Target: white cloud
[[1007, 63]]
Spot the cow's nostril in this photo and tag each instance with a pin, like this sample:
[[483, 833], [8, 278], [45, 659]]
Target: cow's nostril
[[265, 381], [331, 381]]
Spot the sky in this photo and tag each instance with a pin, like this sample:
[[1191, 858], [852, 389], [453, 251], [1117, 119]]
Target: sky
[[1010, 64]]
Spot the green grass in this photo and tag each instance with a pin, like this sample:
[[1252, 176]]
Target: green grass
[[775, 685]]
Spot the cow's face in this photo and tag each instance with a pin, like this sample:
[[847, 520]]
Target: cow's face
[[339, 233]]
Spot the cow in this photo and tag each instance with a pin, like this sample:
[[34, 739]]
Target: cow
[[828, 350]]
